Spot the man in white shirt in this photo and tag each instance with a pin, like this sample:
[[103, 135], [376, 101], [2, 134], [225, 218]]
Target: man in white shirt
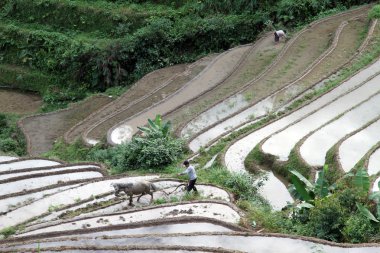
[[279, 34], [190, 171]]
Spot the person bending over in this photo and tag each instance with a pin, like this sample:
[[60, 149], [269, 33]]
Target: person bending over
[[279, 34], [190, 171]]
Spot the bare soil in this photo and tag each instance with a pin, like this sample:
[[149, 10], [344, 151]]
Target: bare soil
[[12, 101], [42, 130]]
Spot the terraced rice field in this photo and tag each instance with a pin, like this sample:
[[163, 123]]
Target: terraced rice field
[[215, 73], [357, 145], [235, 241], [285, 68], [280, 144], [338, 54], [358, 84], [138, 92], [72, 207], [9, 164]]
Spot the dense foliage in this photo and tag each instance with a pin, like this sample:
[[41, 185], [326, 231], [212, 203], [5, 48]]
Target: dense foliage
[[154, 149], [11, 138], [341, 212], [102, 43]]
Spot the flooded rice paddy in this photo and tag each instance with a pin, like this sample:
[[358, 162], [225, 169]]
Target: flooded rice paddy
[[32, 163], [282, 143], [315, 147], [204, 209], [7, 158], [238, 242], [11, 203], [31, 171], [374, 163], [60, 199], [42, 181], [236, 154], [356, 146]]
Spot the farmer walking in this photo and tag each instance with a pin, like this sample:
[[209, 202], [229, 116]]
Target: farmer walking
[[190, 171], [279, 34]]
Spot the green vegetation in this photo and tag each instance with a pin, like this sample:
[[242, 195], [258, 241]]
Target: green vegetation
[[53, 208], [337, 212], [374, 12], [243, 185], [107, 45], [12, 140], [80, 46], [154, 149], [8, 231]]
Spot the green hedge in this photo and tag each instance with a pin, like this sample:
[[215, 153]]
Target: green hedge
[[374, 12], [25, 79], [38, 49], [109, 19], [165, 38]]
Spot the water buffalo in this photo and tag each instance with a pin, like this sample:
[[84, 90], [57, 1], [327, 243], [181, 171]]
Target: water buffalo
[[141, 187]]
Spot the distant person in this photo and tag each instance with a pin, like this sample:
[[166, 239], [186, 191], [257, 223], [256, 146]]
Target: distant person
[[190, 171], [279, 34]]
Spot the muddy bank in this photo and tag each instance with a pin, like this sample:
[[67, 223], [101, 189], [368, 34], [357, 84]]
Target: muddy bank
[[14, 101]]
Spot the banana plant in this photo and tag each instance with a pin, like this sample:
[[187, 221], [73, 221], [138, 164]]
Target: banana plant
[[156, 128], [304, 190], [362, 183], [374, 196]]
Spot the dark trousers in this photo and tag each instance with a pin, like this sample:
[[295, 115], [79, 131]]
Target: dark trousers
[[191, 185], [276, 37]]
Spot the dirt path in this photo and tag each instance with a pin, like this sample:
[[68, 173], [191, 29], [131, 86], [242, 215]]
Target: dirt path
[[12, 101], [144, 86], [42, 130], [215, 73]]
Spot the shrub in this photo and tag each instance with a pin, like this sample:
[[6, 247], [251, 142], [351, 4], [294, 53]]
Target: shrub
[[243, 185], [8, 231], [149, 152], [156, 148], [374, 12], [8, 145], [11, 138], [327, 219], [358, 229]]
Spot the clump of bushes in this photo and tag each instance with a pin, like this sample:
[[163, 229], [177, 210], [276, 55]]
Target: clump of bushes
[[341, 212], [11, 138], [154, 149], [374, 12], [8, 231]]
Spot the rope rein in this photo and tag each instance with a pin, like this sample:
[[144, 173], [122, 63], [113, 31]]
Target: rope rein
[[167, 194]]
